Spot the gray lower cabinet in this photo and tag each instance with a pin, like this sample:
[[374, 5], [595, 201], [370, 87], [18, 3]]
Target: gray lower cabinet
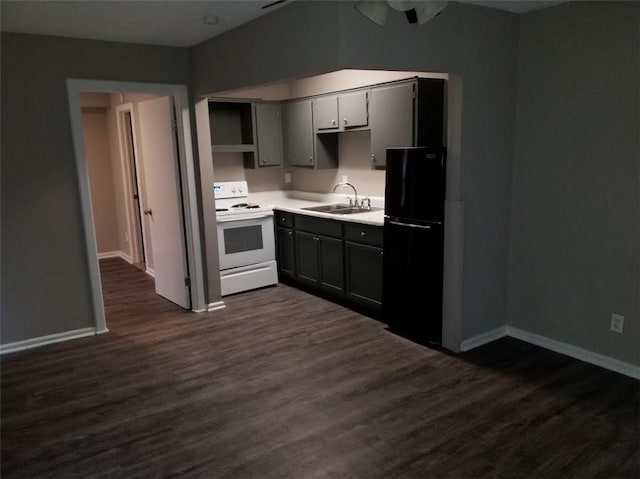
[[319, 261], [339, 257], [363, 264], [364, 274], [285, 245], [286, 252]]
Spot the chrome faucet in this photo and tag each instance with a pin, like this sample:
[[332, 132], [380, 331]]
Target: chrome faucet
[[355, 193]]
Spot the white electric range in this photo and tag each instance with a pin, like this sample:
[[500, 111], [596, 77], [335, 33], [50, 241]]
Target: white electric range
[[246, 239]]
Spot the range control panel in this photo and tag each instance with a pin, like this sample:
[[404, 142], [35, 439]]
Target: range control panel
[[230, 189]]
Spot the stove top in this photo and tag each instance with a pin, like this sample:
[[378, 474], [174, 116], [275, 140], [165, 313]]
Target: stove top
[[232, 198]]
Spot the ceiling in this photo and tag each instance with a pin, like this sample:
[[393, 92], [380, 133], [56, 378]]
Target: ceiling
[[159, 22]]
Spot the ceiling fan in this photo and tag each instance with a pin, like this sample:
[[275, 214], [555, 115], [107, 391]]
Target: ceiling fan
[[416, 11]]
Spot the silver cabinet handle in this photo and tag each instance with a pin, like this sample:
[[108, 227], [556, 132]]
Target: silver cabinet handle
[[311, 159], [345, 121], [333, 121], [373, 157], [148, 212], [264, 160], [290, 233], [363, 234]]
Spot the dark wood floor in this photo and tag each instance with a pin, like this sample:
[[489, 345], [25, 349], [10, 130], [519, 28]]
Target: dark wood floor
[[282, 384]]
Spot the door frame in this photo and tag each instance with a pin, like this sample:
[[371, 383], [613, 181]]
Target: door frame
[[188, 178], [132, 214]]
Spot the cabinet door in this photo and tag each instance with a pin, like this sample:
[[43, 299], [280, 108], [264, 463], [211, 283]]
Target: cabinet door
[[299, 133], [269, 133], [307, 248], [325, 113], [286, 252], [391, 118], [353, 109], [364, 274], [331, 264]]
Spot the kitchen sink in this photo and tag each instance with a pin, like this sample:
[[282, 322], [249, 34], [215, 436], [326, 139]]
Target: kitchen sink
[[328, 208], [340, 209]]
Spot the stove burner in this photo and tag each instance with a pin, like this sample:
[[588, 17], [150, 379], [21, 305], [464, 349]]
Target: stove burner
[[239, 206]]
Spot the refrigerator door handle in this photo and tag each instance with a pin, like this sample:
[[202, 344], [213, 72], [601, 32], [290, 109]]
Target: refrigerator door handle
[[410, 225]]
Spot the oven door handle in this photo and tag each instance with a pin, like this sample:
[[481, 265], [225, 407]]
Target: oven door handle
[[228, 219]]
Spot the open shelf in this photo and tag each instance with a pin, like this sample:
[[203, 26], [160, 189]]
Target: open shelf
[[231, 126]]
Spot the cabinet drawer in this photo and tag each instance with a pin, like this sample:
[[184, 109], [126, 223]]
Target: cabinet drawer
[[318, 226], [365, 234], [284, 218]]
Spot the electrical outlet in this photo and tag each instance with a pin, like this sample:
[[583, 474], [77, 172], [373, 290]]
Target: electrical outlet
[[345, 179], [617, 322], [287, 177]]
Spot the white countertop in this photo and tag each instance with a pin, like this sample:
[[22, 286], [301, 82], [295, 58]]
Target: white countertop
[[294, 201]]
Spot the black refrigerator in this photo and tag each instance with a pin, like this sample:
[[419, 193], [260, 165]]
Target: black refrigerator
[[414, 242]]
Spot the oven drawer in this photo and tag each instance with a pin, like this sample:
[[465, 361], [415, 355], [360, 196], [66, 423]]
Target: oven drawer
[[284, 218], [319, 226]]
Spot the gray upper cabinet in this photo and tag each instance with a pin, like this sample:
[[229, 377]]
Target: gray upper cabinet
[[325, 113], [268, 133], [391, 116], [303, 146], [341, 112], [299, 133], [353, 110]]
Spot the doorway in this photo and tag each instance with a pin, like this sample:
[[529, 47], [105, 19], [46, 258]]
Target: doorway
[[186, 193], [126, 137], [135, 189]]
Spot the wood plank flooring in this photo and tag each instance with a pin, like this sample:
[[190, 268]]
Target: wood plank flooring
[[282, 384]]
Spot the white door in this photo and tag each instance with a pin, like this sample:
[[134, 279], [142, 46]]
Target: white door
[[163, 205]]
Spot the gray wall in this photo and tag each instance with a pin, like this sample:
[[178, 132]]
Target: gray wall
[[478, 43], [575, 235], [45, 277]]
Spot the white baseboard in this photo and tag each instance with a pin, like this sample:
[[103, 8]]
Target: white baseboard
[[215, 306], [575, 352], [483, 338], [109, 254], [49, 339], [116, 254], [559, 347]]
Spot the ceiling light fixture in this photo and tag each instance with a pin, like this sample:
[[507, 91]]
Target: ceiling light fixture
[[416, 11]]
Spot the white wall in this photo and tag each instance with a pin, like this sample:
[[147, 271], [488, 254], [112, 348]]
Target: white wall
[[576, 204]]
